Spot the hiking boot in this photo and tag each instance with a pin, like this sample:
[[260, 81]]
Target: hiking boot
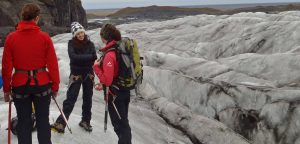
[[58, 127], [86, 126]]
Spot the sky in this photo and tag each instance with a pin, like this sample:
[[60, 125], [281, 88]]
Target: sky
[[103, 4]]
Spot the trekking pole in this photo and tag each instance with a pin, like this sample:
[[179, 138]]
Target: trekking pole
[[33, 108], [113, 102], [9, 122], [62, 113], [106, 108]]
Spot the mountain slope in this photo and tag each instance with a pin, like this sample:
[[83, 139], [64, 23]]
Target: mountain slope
[[157, 12]]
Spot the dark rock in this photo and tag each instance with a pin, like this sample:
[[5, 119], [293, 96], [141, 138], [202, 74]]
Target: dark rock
[[94, 25], [51, 30], [67, 11], [3, 33], [6, 20], [56, 15], [53, 12]]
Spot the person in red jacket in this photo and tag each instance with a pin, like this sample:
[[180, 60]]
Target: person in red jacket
[[107, 70], [30, 52]]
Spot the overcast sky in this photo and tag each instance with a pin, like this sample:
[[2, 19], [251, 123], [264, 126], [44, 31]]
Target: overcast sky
[[95, 4]]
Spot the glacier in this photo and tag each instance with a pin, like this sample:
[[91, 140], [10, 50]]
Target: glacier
[[231, 79]]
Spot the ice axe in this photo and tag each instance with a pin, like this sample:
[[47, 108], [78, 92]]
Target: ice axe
[[9, 123], [107, 92], [106, 107], [62, 113]]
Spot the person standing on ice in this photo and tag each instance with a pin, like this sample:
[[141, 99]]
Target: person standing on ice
[[82, 55], [107, 70], [30, 52]]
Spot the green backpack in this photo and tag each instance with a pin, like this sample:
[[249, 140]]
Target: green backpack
[[130, 65]]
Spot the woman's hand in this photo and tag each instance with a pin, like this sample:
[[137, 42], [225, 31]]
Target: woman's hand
[[97, 62], [98, 87]]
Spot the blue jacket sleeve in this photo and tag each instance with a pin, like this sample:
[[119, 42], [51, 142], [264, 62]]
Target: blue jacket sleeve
[[1, 82]]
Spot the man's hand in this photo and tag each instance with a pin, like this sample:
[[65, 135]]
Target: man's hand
[[98, 87], [54, 94], [7, 96]]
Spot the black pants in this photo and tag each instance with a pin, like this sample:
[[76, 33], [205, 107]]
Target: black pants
[[72, 95], [121, 126], [24, 111]]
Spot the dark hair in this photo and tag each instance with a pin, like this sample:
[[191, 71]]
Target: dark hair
[[30, 11], [79, 43], [109, 32]]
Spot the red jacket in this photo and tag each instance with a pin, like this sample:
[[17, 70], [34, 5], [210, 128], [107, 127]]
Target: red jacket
[[28, 48], [110, 67]]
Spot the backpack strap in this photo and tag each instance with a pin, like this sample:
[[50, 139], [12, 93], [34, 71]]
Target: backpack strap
[[110, 49]]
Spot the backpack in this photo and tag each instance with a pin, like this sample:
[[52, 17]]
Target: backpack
[[130, 65]]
